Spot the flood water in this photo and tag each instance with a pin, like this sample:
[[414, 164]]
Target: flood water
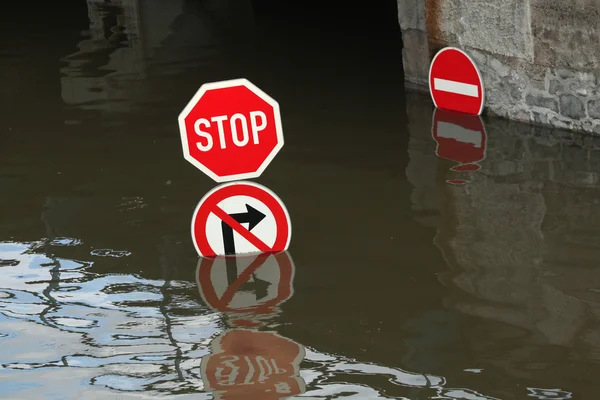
[[421, 266]]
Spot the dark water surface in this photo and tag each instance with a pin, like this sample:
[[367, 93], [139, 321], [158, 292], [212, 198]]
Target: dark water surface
[[405, 279]]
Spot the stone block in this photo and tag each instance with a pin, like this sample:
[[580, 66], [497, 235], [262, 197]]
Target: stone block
[[586, 126], [442, 20], [500, 69], [416, 57], [539, 85], [498, 94], [594, 109], [540, 118], [587, 78], [521, 115], [549, 103], [411, 14], [480, 59], [496, 111], [567, 33], [572, 106], [560, 122], [501, 27], [582, 84], [538, 78], [555, 86], [564, 73], [518, 85], [516, 93]]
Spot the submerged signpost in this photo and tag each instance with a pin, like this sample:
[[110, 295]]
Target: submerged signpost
[[231, 131]]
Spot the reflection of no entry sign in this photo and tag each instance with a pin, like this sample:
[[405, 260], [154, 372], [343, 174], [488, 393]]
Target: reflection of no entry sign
[[455, 82], [255, 284], [459, 138], [238, 218]]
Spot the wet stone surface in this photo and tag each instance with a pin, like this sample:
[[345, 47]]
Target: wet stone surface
[[529, 53]]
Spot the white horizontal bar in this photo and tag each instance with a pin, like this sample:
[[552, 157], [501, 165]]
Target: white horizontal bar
[[452, 131], [455, 87]]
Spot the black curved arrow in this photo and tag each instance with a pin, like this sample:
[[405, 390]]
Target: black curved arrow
[[252, 217]]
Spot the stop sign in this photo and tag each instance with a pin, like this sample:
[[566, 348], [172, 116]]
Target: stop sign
[[231, 130]]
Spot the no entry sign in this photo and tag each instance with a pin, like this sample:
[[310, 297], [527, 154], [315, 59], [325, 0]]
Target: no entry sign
[[231, 130], [239, 218], [461, 138], [248, 364], [455, 83], [255, 284]]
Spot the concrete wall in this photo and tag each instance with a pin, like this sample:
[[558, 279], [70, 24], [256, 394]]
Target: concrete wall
[[539, 58]]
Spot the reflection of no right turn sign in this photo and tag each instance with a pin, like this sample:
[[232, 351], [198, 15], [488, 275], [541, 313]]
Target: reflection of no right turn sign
[[246, 284], [239, 218]]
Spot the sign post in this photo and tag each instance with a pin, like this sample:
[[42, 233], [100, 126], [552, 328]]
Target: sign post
[[231, 130]]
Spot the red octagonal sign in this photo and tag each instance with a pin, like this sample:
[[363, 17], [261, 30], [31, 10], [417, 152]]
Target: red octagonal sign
[[231, 130]]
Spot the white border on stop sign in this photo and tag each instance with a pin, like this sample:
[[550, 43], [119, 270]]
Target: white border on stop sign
[[221, 85]]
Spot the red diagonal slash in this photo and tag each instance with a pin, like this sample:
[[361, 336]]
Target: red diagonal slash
[[245, 233], [243, 278]]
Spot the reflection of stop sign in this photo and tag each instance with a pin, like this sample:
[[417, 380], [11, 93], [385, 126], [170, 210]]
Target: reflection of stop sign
[[247, 364], [231, 130], [459, 138], [455, 82]]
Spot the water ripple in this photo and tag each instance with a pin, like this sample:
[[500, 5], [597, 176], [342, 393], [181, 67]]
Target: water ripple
[[110, 253], [8, 263], [81, 332], [67, 242]]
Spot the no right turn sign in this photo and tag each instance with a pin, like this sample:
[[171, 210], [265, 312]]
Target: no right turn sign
[[240, 218]]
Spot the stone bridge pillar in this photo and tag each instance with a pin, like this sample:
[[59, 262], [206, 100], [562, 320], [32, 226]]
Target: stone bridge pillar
[[539, 58]]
